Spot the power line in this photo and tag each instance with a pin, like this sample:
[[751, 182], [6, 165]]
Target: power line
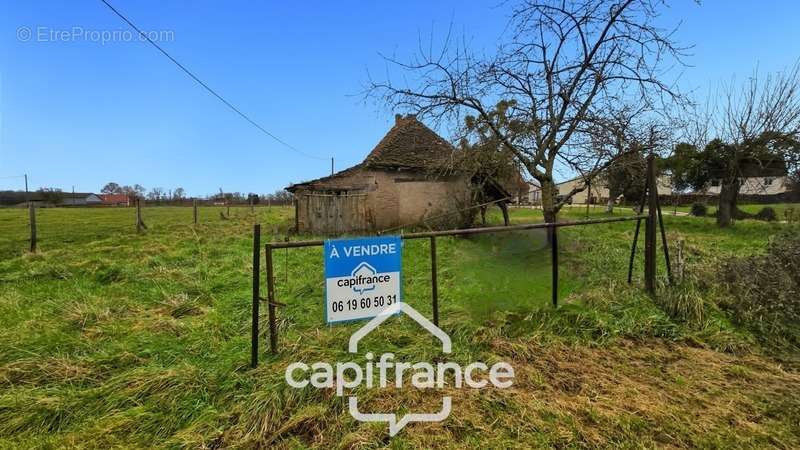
[[206, 87]]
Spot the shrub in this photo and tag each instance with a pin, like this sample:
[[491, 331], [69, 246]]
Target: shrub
[[764, 291], [698, 210], [683, 302], [767, 214], [790, 215], [739, 214]]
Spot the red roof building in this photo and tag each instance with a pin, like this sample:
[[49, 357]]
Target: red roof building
[[116, 199]]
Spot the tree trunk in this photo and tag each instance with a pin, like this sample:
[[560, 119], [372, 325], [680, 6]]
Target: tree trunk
[[726, 210], [504, 208], [549, 193], [610, 205]]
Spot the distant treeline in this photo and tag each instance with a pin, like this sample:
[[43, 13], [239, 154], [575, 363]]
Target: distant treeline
[[113, 194]]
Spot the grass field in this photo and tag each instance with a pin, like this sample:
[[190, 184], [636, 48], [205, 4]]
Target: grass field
[[113, 339]]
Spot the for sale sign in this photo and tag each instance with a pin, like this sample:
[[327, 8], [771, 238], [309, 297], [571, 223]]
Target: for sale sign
[[362, 277]]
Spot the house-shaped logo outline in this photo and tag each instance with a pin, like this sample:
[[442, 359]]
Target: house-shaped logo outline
[[395, 423], [363, 265]]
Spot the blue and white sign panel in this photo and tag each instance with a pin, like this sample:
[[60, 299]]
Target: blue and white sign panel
[[362, 277]]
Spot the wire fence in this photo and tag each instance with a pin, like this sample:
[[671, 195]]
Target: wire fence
[[42, 229], [273, 249]]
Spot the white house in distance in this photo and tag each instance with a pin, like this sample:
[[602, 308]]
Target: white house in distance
[[80, 199], [534, 195], [599, 191], [766, 185], [757, 177]]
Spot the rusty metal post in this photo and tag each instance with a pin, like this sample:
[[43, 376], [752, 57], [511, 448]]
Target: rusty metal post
[[256, 294], [273, 326], [32, 215], [633, 250], [638, 225], [650, 230], [434, 283], [554, 263], [664, 242], [194, 211]]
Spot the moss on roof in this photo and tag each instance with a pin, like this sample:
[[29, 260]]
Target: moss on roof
[[409, 145]]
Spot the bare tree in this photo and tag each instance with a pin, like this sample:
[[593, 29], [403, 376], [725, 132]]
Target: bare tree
[[156, 194], [625, 139], [139, 190], [279, 197], [566, 66], [758, 124]]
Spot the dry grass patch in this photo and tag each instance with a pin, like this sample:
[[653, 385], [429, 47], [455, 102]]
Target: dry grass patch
[[39, 371], [629, 394]]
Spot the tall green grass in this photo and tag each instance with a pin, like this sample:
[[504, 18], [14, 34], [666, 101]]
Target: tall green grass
[[111, 338]]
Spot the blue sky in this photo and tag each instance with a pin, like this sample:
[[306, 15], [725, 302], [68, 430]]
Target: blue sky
[[81, 112]]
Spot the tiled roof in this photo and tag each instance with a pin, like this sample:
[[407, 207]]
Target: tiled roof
[[408, 145], [114, 198]]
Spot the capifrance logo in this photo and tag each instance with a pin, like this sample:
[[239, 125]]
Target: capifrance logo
[[344, 376]]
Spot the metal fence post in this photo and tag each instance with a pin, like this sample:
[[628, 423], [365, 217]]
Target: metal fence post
[[194, 211], [638, 225], [554, 262], [650, 230], [633, 249], [664, 243], [434, 283], [273, 326], [256, 294], [32, 214]]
